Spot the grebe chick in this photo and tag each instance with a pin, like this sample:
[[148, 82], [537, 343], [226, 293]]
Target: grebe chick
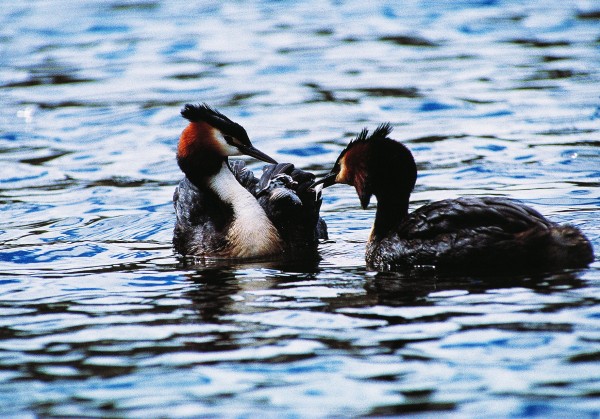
[[465, 234], [223, 211]]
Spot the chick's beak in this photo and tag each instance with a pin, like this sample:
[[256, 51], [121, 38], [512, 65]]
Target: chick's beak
[[256, 153], [326, 181]]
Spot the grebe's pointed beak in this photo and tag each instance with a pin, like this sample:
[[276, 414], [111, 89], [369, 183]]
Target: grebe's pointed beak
[[256, 153], [326, 181]]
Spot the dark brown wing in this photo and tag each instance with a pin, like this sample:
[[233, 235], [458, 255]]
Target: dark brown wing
[[480, 234], [201, 220], [244, 175], [452, 215], [284, 193]]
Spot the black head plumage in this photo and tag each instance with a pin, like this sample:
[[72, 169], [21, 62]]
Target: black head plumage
[[381, 133], [205, 113]]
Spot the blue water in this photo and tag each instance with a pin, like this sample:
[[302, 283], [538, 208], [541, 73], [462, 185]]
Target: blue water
[[98, 316]]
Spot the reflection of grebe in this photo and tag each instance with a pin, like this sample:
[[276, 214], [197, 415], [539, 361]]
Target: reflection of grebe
[[222, 210], [464, 234]]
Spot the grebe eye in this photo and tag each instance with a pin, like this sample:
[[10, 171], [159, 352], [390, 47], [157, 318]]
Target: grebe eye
[[231, 140]]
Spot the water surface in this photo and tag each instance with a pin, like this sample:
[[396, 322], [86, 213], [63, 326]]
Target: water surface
[[98, 316]]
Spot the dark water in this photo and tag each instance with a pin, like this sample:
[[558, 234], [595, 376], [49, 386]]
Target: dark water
[[98, 317]]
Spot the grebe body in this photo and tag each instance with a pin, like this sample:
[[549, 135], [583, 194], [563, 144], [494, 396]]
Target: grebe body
[[465, 234], [223, 211]]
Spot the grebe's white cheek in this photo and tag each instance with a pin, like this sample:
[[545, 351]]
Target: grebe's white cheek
[[226, 148], [233, 151]]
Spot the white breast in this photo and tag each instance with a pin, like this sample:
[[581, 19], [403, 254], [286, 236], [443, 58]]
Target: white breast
[[252, 234]]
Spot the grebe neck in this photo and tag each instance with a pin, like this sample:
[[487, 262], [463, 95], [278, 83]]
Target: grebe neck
[[391, 211], [251, 233], [201, 166]]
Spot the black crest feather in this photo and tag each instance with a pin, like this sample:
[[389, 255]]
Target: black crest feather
[[380, 133], [205, 113], [363, 136]]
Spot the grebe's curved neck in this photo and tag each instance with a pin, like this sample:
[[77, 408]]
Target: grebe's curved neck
[[392, 173], [251, 233], [391, 211], [202, 167]]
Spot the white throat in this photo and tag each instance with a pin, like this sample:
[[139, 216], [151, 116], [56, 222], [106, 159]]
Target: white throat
[[251, 234]]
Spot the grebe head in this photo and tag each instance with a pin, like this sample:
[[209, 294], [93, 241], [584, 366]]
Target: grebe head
[[210, 138], [375, 165]]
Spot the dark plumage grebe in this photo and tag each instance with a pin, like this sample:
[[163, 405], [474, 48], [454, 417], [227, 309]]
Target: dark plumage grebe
[[456, 234], [223, 211]]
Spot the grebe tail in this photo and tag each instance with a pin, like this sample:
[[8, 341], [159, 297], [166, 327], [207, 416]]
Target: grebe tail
[[474, 233]]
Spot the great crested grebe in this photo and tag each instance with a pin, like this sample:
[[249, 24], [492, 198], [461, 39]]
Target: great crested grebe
[[457, 234], [223, 211]]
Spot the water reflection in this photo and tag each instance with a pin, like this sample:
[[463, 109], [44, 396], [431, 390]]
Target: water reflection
[[223, 286], [412, 288], [213, 295], [98, 317]]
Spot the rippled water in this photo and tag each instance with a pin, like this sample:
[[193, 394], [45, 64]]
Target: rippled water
[[98, 317]]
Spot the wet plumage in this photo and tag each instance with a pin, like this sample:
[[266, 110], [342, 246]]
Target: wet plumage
[[223, 211], [471, 233]]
